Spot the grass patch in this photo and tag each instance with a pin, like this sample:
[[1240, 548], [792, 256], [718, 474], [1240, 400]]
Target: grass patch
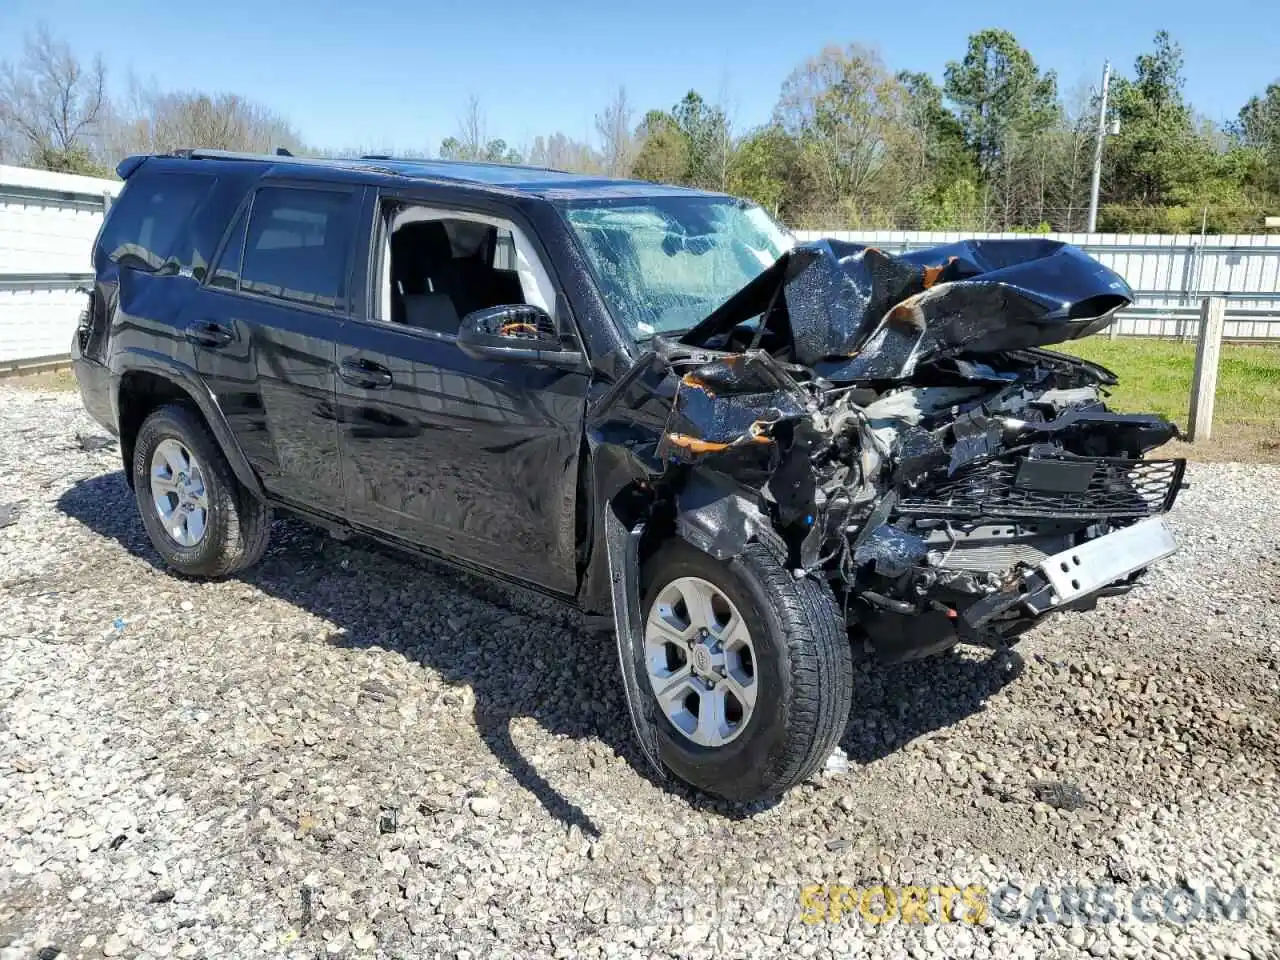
[[1155, 377]]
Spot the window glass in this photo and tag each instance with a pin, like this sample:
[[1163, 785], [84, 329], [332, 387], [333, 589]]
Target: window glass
[[227, 275], [146, 223], [665, 263], [296, 246]]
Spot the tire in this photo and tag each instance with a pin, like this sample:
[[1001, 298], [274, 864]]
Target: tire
[[236, 525], [802, 672]]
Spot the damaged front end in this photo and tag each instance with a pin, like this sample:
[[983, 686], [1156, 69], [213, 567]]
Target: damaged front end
[[893, 424]]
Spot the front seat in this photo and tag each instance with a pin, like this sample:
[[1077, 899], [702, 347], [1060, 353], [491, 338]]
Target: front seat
[[422, 261]]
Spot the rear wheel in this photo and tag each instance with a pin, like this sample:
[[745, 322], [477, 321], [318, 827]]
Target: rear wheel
[[200, 519], [749, 670]]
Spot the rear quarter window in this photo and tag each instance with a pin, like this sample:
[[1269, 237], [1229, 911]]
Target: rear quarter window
[[149, 227]]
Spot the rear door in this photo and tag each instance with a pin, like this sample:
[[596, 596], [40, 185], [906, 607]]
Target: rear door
[[474, 459], [266, 326]]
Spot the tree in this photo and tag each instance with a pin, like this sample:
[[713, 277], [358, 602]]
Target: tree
[[848, 115], [618, 145], [706, 131], [52, 104], [946, 172], [1158, 158], [158, 122], [664, 149], [691, 145], [1258, 131], [1071, 145], [938, 129], [493, 151], [1259, 122], [561, 152], [472, 141], [1001, 96], [766, 168]]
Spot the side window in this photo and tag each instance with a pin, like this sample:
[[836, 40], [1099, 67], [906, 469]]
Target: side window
[[227, 274], [296, 246], [437, 267], [145, 226]]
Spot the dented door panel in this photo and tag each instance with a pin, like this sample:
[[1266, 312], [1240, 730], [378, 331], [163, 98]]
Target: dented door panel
[[473, 459]]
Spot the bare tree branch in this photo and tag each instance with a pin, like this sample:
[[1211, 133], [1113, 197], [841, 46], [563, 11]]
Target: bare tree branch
[[618, 143], [51, 100], [158, 122]]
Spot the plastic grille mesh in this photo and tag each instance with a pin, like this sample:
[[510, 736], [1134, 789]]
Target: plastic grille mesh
[[1117, 488]]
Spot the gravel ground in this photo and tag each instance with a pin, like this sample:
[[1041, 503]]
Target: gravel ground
[[347, 753]]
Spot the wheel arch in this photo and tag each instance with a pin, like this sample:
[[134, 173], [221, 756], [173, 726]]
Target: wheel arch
[[144, 382], [708, 511], [712, 513]]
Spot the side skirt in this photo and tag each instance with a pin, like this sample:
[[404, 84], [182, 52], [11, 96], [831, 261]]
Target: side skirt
[[341, 530]]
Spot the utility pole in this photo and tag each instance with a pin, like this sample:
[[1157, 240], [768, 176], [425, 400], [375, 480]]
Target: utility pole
[[1097, 150]]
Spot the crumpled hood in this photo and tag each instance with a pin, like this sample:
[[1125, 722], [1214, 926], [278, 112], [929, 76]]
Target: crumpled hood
[[852, 312]]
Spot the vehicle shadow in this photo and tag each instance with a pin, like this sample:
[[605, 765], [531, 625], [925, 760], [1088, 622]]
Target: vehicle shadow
[[894, 704], [546, 667]]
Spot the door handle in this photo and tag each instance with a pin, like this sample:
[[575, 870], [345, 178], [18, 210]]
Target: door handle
[[360, 372], [210, 333]]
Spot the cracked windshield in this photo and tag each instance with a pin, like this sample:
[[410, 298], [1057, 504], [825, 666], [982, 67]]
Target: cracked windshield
[[665, 263]]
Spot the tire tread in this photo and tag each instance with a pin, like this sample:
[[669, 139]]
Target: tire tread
[[821, 665], [810, 646]]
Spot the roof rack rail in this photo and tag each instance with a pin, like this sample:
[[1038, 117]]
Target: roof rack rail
[[281, 154], [203, 153], [448, 162]]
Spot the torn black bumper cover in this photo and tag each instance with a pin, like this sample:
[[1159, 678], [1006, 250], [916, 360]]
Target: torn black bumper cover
[[895, 424]]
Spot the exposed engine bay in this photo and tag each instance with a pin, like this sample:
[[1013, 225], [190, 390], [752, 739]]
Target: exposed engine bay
[[893, 424]]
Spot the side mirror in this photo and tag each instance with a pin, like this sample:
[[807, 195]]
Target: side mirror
[[516, 332]]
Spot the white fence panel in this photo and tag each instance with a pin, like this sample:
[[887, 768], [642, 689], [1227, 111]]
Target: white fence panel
[[37, 324], [48, 222]]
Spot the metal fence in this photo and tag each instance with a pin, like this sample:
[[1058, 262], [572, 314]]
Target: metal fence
[[47, 225], [48, 222], [1170, 275]]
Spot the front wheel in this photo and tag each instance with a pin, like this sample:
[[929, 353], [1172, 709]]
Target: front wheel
[[749, 670]]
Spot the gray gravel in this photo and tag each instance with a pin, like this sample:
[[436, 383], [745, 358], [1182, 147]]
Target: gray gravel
[[346, 753]]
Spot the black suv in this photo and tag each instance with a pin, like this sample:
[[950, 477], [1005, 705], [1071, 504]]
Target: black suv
[[752, 457]]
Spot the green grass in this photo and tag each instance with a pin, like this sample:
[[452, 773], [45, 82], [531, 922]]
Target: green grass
[[1155, 377]]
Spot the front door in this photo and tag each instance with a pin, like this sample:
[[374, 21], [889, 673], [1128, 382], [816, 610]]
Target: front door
[[474, 459]]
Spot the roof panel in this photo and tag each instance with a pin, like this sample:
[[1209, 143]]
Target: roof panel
[[540, 181]]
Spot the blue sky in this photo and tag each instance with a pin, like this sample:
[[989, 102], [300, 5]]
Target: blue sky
[[398, 77]]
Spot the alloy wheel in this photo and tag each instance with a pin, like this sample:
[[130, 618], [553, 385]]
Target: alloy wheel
[[179, 493], [700, 661]]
